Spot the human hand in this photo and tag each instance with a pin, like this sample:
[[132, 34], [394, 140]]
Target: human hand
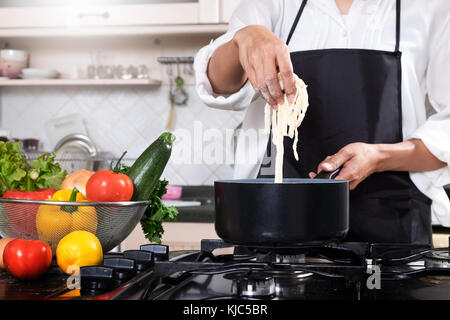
[[358, 161], [262, 56]]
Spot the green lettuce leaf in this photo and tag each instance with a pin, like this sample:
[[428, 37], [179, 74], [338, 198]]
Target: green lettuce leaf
[[17, 174]]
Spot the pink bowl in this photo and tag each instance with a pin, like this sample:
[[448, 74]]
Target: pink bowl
[[12, 62], [173, 193]]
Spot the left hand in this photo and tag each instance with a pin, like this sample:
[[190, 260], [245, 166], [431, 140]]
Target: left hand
[[359, 160]]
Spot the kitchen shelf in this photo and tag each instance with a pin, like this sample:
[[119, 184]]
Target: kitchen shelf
[[79, 82]]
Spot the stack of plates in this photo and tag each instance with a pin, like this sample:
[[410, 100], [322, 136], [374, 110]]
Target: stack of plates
[[32, 73]]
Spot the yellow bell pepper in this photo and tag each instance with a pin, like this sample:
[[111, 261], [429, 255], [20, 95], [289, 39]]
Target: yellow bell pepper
[[64, 195], [54, 222]]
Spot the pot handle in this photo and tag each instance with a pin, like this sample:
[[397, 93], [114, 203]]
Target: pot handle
[[328, 175]]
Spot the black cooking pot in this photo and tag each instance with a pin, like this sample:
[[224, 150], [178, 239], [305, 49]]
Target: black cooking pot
[[295, 213]]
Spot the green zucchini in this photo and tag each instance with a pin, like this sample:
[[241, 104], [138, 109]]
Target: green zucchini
[[148, 168]]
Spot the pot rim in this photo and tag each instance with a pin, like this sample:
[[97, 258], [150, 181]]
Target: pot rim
[[288, 181]]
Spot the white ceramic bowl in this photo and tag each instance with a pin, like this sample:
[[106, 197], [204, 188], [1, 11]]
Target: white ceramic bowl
[[12, 62], [15, 55], [33, 73]]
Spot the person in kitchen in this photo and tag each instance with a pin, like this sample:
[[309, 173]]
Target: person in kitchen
[[368, 66]]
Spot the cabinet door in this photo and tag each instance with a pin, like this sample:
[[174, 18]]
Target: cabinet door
[[135, 15], [227, 8], [32, 14], [30, 17]]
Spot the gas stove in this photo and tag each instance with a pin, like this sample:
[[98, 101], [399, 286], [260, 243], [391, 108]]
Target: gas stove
[[354, 271], [222, 271]]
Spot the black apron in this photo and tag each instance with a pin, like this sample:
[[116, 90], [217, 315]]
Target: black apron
[[355, 96]]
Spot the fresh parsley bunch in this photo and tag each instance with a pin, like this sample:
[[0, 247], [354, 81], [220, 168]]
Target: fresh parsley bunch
[[156, 212]]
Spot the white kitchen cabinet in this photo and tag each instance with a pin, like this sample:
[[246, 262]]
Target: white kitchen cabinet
[[124, 14], [28, 17]]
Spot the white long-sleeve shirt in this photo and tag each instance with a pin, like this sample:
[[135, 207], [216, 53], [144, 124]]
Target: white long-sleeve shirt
[[370, 24]]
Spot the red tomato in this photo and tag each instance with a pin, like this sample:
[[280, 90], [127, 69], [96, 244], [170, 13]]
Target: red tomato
[[27, 259], [108, 186]]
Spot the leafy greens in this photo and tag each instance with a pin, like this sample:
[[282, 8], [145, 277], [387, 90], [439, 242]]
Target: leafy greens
[[157, 213], [17, 174]]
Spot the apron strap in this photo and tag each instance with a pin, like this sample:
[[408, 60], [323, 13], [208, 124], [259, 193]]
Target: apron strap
[[397, 27], [297, 18]]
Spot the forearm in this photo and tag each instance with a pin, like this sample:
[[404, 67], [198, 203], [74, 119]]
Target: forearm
[[225, 72], [411, 155]]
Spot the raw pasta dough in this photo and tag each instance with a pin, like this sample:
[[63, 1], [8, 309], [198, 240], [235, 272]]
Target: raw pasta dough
[[285, 122]]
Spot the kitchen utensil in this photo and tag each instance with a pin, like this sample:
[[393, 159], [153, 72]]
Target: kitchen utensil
[[295, 213], [33, 73], [171, 117], [61, 127], [30, 144], [188, 69], [102, 161], [79, 149], [12, 62], [328, 175], [115, 220], [177, 96]]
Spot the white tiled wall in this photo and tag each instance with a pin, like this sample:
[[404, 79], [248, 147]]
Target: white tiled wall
[[117, 119]]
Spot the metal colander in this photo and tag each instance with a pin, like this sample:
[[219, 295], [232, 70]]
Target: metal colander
[[50, 221]]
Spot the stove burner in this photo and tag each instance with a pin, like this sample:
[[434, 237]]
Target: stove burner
[[252, 284], [437, 259], [280, 258]]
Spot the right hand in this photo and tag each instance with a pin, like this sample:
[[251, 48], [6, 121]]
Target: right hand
[[262, 56]]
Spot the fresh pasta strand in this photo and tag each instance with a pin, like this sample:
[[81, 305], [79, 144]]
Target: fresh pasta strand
[[285, 122]]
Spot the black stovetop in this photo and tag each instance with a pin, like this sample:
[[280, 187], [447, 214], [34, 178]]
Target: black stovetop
[[354, 271]]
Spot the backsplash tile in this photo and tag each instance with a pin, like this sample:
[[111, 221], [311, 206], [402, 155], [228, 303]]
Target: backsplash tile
[[119, 119]]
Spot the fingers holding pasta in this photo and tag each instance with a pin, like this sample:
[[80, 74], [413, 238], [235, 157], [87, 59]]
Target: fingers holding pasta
[[286, 73], [285, 122], [267, 65], [263, 57]]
